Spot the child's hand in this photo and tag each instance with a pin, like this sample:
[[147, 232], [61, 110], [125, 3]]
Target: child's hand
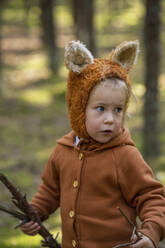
[[30, 228], [143, 242]]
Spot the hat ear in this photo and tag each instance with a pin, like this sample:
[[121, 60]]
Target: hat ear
[[126, 54], [77, 56]]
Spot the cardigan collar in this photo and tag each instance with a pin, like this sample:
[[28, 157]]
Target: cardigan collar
[[72, 140]]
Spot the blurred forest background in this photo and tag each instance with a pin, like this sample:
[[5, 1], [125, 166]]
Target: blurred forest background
[[33, 113]]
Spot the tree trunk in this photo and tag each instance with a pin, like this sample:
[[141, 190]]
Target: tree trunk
[[152, 66], [49, 32], [83, 11], [2, 5]]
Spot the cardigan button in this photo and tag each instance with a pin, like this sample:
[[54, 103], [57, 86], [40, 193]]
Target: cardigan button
[[80, 156], [74, 243], [75, 184], [71, 214]]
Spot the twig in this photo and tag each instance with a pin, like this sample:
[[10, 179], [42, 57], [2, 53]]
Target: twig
[[14, 213], [133, 232], [130, 222]]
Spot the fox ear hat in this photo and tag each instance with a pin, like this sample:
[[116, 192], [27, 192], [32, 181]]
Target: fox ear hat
[[85, 72]]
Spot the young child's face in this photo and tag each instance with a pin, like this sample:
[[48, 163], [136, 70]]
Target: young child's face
[[104, 111]]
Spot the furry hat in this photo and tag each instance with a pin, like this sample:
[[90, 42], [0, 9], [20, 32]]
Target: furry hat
[[85, 72]]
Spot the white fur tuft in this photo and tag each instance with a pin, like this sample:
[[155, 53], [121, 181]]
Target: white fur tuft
[[77, 56]]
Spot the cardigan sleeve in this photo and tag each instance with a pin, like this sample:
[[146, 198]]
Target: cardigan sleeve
[[46, 200], [142, 192]]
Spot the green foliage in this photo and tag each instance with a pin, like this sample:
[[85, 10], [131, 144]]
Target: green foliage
[[63, 16], [118, 23], [119, 17]]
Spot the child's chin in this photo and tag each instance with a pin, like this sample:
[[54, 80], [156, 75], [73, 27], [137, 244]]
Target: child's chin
[[103, 141]]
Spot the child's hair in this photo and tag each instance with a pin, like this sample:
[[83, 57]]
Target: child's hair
[[85, 72]]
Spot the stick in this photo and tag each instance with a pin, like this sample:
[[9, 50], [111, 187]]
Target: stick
[[133, 232], [27, 213]]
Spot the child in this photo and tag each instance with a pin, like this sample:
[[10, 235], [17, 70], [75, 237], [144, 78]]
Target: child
[[97, 168]]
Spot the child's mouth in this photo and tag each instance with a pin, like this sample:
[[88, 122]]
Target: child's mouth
[[107, 131]]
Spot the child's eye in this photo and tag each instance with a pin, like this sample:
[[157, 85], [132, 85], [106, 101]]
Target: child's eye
[[118, 110], [100, 108]]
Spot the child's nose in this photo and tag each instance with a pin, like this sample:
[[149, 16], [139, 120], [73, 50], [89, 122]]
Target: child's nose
[[109, 119]]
